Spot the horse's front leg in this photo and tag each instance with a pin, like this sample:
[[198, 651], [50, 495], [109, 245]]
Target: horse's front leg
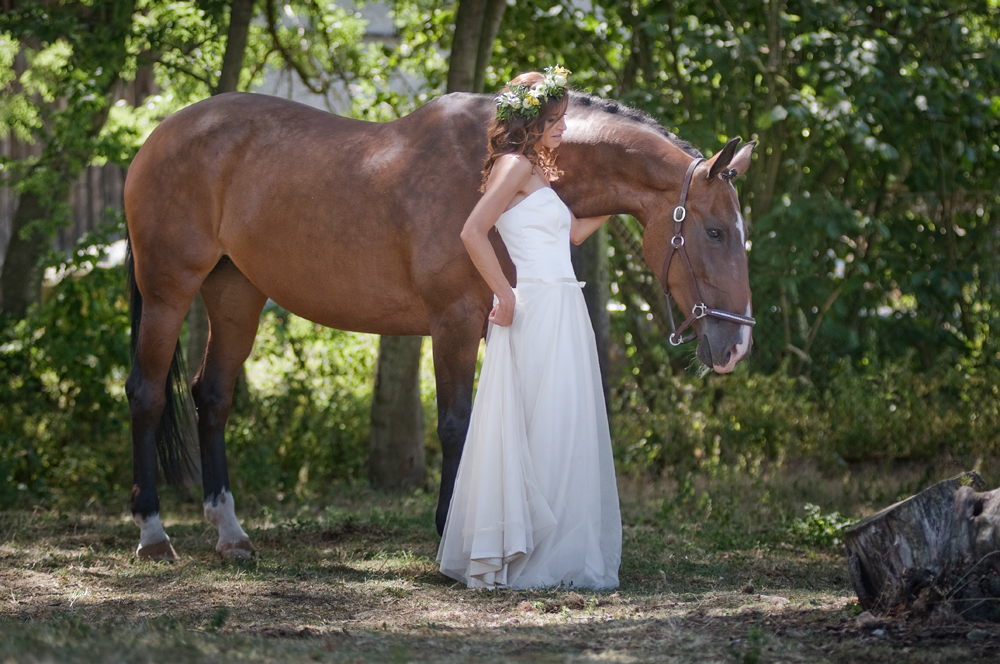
[[234, 306], [456, 337]]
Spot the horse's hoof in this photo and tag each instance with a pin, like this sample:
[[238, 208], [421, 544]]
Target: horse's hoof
[[161, 551], [240, 549]]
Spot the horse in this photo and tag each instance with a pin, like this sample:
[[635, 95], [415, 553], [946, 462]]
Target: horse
[[356, 225]]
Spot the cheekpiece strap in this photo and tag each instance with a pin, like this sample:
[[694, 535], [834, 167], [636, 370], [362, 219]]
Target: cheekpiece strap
[[680, 212]]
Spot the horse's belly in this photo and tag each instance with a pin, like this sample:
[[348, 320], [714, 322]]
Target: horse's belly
[[357, 301]]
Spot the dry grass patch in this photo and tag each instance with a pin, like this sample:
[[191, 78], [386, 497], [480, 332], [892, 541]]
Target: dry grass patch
[[703, 580]]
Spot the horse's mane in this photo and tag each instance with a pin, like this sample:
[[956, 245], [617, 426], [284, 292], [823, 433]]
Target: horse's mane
[[635, 115]]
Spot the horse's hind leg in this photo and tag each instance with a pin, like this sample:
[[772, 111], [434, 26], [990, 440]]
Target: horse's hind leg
[[156, 340], [234, 305]]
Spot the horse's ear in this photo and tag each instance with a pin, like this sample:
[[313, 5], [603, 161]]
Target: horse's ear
[[741, 162], [720, 162]]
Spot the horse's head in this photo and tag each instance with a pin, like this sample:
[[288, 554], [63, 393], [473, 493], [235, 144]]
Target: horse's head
[[697, 248]]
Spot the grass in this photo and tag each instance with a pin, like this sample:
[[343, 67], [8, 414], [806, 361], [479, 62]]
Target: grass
[[712, 572]]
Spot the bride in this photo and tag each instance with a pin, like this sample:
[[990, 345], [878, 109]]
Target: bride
[[535, 501]]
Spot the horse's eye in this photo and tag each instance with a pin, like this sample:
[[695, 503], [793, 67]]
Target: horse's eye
[[714, 233]]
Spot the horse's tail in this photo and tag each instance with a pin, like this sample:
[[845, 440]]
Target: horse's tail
[[174, 454]]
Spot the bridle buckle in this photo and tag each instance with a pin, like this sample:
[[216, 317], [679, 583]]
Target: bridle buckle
[[699, 310]]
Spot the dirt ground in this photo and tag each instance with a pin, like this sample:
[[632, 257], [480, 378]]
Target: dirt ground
[[355, 581]]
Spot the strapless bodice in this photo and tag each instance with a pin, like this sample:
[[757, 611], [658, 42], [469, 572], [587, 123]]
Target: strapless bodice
[[536, 232]]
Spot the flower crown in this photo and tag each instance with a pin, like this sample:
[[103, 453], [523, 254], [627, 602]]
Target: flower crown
[[524, 101]]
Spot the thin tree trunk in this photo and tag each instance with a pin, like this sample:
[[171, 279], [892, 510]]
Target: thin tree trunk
[[20, 280], [236, 44], [492, 16], [396, 457], [590, 262], [465, 46]]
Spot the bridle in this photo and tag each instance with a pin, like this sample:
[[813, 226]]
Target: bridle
[[700, 310]]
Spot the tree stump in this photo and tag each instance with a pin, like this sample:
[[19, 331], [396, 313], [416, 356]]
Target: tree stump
[[938, 551]]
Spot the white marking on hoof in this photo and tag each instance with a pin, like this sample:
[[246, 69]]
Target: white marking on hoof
[[154, 543], [233, 541]]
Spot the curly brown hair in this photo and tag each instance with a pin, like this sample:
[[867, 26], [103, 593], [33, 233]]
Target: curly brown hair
[[519, 134]]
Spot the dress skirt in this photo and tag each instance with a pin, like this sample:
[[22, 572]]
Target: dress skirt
[[535, 501]]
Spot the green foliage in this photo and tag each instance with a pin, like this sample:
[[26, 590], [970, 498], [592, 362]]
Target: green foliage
[[818, 529], [309, 411], [678, 423], [17, 115], [64, 424]]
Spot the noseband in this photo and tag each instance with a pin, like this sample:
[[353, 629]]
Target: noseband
[[700, 310]]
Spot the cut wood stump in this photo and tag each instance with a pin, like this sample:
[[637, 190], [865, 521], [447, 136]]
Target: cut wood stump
[[936, 552]]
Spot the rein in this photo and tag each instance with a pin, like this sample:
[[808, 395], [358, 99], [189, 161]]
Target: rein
[[700, 310]]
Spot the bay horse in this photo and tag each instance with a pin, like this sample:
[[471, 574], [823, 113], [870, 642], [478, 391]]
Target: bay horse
[[355, 225]]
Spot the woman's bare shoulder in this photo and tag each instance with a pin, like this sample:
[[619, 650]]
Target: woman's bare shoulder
[[514, 162], [511, 169]]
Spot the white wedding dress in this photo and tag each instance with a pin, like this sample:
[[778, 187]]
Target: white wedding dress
[[535, 501]]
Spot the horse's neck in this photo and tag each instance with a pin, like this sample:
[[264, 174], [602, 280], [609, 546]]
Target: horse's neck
[[619, 168]]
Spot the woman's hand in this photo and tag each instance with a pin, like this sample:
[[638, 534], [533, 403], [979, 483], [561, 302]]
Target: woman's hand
[[503, 311]]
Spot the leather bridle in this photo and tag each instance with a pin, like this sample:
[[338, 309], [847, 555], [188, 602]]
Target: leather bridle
[[676, 246]]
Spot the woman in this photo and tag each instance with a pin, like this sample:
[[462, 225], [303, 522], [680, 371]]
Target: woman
[[535, 501]]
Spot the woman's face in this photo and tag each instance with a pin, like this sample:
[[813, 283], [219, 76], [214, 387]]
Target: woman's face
[[555, 125]]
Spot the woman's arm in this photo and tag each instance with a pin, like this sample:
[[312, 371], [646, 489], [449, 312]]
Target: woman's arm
[[583, 228], [509, 175]]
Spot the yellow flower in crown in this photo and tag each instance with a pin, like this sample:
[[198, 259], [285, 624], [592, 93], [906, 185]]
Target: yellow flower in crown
[[524, 101]]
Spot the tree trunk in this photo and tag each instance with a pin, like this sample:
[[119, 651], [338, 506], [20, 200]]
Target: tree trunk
[[20, 279], [492, 16], [465, 45], [937, 552], [590, 262], [240, 14], [396, 452], [396, 415]]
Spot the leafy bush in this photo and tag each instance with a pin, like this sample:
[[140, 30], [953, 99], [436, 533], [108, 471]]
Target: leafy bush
[[682, 423], [309, 411], [818, 529], [64, 422]]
